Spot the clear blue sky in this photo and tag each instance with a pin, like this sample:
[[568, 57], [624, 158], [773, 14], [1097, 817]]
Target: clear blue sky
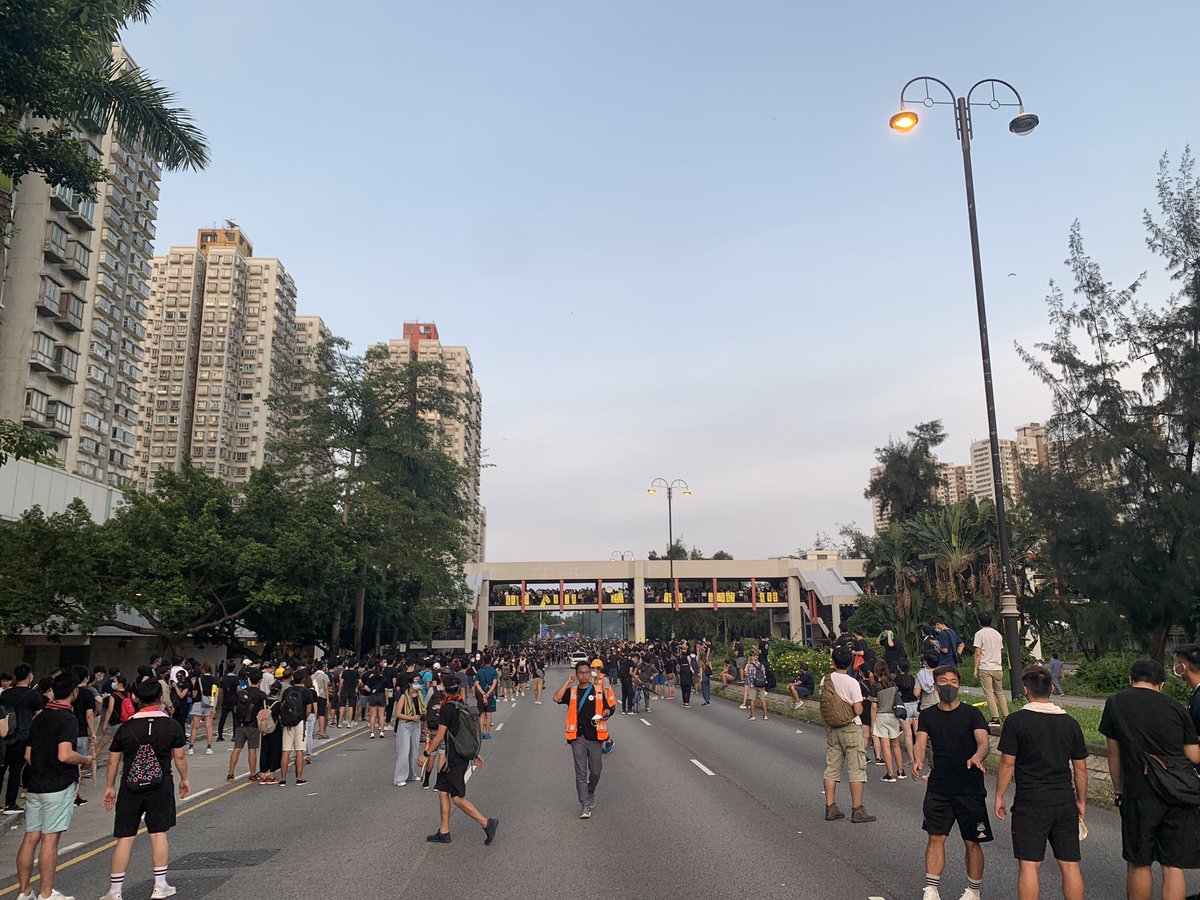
[[678, 237]]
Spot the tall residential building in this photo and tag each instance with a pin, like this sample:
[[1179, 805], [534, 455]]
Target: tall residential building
[[421, 343], [311, 333], [221, 334], [72, 303], [982, 484], [954, 483]]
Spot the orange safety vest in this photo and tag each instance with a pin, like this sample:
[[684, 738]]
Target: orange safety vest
[[604, 697]]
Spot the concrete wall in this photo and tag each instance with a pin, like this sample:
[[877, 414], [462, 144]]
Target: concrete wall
[[24, 484]]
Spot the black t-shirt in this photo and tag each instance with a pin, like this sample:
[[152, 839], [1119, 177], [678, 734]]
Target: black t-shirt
[[448, 716], [953, 737], [85, 701], [907, 686], [349, 680], [389, 677], [1144, 720], [161, 732], [1194, 708], [372, 683], [24, 701], [46, 774], [229, 688], [1044, 745]]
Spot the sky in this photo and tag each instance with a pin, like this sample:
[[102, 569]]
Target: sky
[[678, 238]]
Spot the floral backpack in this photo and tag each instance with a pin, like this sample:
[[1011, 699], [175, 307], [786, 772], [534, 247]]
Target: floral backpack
[[144, 772]]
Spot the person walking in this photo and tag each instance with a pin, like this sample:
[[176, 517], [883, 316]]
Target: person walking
[[956, 792], [148, 743], [294, 708], [247, 704], [841, 709], [451, 785], [53, 770], [756, 684], [1043, 748], [989, 667], [409, 713], [1140, 722], [689, 668], [1056, 672], [644, 676], [706, 678], [589, 704], [947, 642]]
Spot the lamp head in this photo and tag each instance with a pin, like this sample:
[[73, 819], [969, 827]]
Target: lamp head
[[651, 491], [903, 121], [687, 493], [1023, 123]]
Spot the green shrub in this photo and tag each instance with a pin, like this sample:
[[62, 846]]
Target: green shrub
[[785, 657], [1106, 675]]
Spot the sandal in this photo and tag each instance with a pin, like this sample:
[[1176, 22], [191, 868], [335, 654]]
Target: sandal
[[229, 777]]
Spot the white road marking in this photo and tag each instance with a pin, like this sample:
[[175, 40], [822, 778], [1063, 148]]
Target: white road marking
[[702, 767], [193, 796], [501, 725], [644, 722], [69, 848]]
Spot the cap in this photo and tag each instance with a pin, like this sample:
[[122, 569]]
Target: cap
[[597, 664], [245, 662]]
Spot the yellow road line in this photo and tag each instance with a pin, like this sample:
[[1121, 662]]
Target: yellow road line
[[16, 886]]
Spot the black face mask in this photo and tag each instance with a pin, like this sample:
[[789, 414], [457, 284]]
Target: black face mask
[[947, 693]]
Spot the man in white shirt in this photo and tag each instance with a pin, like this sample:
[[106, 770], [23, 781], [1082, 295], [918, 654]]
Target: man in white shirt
[[989, 668], [844, 738]]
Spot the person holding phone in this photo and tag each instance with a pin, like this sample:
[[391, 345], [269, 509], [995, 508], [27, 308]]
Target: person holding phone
[[589, 704]]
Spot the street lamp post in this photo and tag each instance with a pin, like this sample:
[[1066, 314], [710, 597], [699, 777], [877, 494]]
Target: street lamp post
[[1023, 123], [671, 487]]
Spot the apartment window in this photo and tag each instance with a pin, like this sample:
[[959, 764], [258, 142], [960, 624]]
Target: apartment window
[[56, 240], [51, 294], [43, 350]]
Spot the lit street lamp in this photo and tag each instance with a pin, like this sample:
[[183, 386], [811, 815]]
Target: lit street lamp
[[671, 486], [1023, 123]]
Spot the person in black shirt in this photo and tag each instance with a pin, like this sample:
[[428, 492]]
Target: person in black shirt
[[229, 691], [1187, 667], [1044, 748], [1137, 721], [247, 703], [25, 702], [451, 785], [53, 777], [956, 792]]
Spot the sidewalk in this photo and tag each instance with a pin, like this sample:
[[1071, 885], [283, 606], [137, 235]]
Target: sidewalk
[[91, 823]]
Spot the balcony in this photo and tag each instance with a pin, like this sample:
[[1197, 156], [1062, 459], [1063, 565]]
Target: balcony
[[58, 419], [77, 265], [33, 416], [70, 312], [66, 365], [83, 214], [55, 251], [41, 357], [61, 198]]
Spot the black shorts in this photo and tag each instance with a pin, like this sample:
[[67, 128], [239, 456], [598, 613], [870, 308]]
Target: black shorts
[[347, 698], [941, 811], [379, 699], [452, 780], [1152, 832], [322, 706], [157, 806], [1035, 823]]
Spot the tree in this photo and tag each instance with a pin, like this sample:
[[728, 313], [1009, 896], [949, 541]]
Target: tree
[[376, 431], [19, 441], [58, 74], [679, 551], [908, 481], [1120, 513]]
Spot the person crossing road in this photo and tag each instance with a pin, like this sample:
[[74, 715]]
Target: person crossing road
[[589, 703]]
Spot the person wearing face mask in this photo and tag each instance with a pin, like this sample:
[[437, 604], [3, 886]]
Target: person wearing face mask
[[1187, 667], [956, 791]]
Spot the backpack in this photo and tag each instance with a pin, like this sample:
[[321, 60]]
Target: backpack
[[757, 676], [465, 738], [243, 710], [836, 712], [266, 721], [291, 708], [8, 724], [144, 772], [127, 709]]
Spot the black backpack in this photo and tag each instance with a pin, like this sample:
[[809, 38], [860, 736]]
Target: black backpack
[[244, 710], [291, 708], [465, 738]]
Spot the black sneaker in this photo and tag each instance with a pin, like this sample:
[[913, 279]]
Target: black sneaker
[[301, 781], [490, 830], [439, 838]]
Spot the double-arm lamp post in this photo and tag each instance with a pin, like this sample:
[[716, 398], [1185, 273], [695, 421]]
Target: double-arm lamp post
[[671, 487], [1023, 123]]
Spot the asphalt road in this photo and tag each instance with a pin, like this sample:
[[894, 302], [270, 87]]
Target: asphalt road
[[698, 803]]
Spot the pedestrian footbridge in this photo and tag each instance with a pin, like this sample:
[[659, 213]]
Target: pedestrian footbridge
[[809, 597]]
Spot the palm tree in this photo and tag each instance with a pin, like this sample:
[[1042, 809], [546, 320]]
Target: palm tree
[[952, 539]]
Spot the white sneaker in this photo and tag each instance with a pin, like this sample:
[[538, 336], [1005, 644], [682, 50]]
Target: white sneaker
[[31, 895], [931, 893], [55, 894], [743, 706], [190, 751], [208, 752], [167, 890], [970, 894], [111, 896], [399, 783], [797, 705]]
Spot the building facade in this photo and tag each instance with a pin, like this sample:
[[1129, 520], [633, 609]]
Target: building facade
[[420, 342], [221, 334]]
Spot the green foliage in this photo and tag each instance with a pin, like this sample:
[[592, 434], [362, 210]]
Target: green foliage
[[909, 478], [58, 75], [1119, 516], [785, 657], [19, 441]]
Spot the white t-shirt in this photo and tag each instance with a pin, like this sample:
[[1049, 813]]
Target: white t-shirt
[[268, 679], [989, 644], [848, 689]]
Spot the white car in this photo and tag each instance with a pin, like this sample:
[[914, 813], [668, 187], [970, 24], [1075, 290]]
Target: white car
[[577, 658]]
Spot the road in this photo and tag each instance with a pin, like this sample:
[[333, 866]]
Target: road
[[698, 803]]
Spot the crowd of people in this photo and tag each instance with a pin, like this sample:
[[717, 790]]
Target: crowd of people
[[137, 732]]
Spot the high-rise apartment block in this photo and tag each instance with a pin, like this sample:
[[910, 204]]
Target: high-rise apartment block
[[73, 300], [421, 343], [956, 483], [222, 333]]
